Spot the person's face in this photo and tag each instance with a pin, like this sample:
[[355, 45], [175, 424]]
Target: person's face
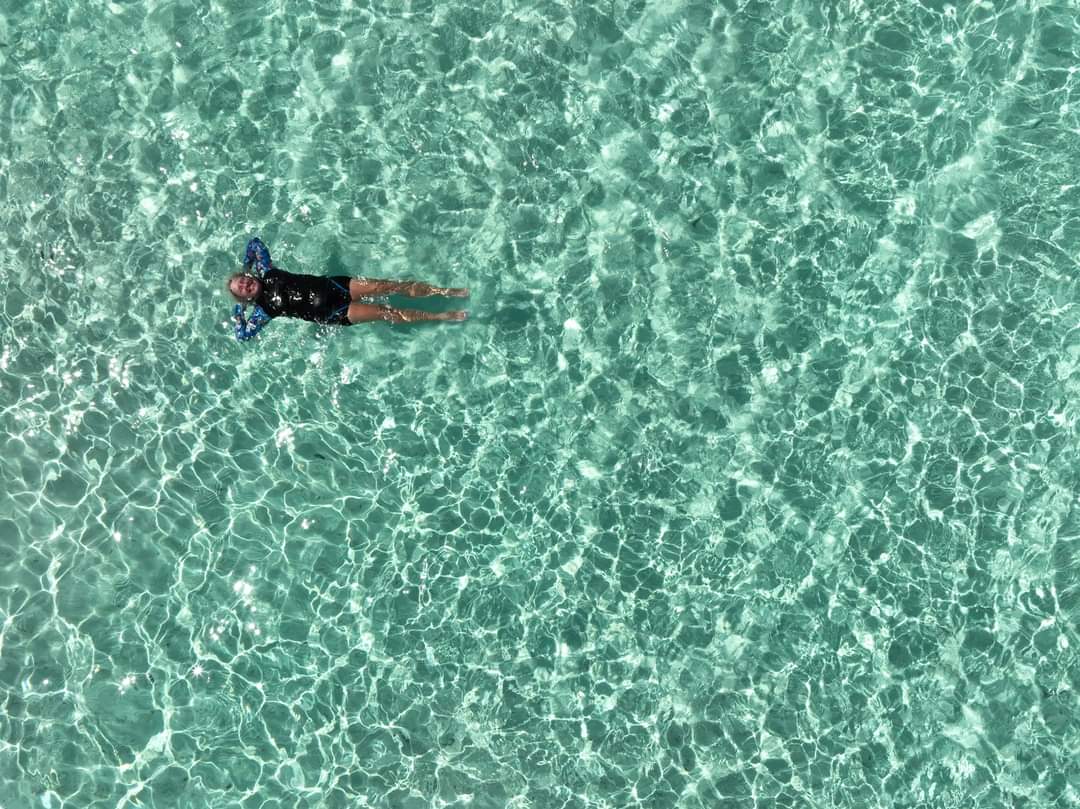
[[244, 287]]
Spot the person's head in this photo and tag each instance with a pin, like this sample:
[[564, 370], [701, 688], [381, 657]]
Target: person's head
[[243, 286]]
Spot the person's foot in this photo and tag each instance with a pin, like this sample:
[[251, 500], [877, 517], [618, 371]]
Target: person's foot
[[453, 292], [458, 314]]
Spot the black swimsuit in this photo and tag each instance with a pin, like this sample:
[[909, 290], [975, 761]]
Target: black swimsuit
[[321, 299]]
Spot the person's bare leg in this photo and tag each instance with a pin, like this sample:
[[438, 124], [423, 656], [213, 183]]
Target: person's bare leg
[[370, 287], [368, 312]]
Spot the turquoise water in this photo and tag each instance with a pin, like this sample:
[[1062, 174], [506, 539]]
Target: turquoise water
[[751, 481]]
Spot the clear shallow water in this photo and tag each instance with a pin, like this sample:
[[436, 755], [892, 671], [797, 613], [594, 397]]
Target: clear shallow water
[[750, 482]]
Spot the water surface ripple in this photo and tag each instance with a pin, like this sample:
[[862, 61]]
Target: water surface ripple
[[750, 482]]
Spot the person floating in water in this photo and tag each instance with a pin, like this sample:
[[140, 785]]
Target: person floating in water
[[336, 300]]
